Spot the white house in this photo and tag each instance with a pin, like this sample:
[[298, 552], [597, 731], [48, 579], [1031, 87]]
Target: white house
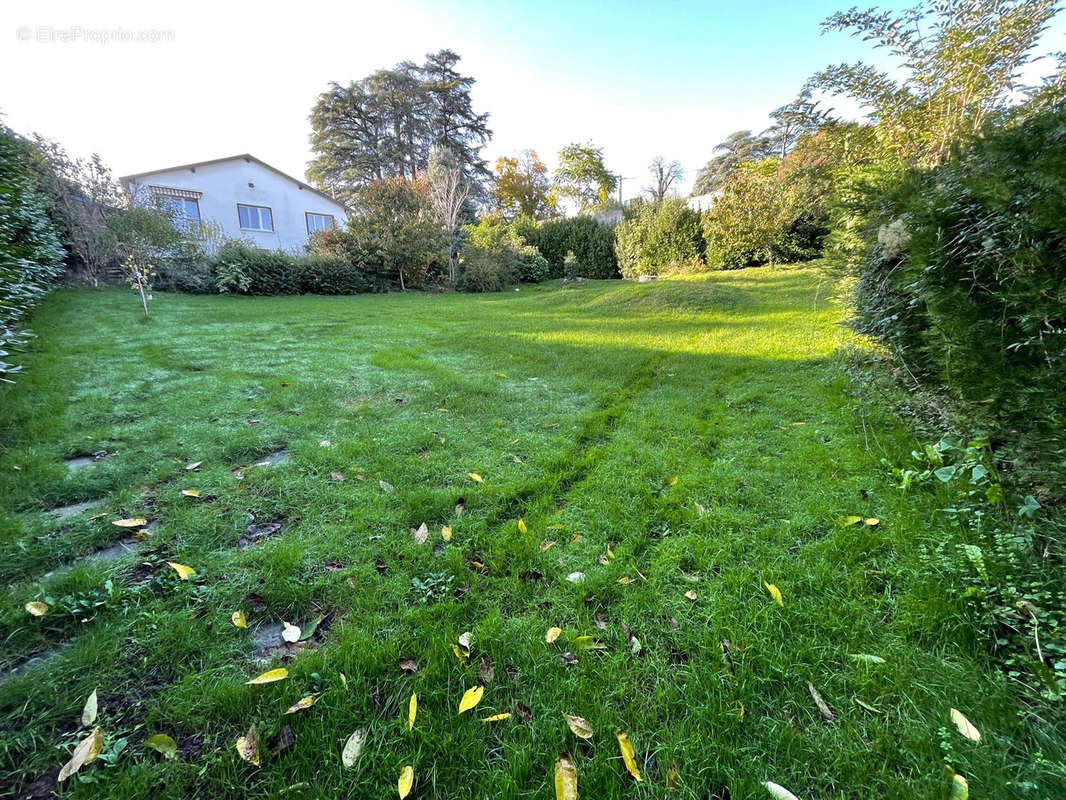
[[703, 202], [247, 198]]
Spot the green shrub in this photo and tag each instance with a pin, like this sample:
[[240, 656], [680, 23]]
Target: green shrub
[[186, 269], [590, 242], [244, 269], [396, 235], [965, 276], [484, 270], [240, 268], [31, 256], [320, 274], [767, 213], [659, 238], [495, 239]]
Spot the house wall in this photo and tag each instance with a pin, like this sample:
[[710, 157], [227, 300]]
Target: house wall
[[228, 183]]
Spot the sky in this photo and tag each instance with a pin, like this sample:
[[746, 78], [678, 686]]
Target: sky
[[150, 85]]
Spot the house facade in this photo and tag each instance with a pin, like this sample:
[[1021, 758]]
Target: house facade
[[244, 197]]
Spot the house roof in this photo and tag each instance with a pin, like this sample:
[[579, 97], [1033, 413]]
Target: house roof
[[246, 157]]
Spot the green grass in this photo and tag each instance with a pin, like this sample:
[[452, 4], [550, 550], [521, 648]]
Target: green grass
[[579, 407]]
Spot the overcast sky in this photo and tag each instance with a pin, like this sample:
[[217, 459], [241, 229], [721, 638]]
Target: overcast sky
[[638, 79]]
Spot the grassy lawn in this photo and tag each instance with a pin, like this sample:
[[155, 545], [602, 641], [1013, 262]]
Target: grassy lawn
[[685, 437]]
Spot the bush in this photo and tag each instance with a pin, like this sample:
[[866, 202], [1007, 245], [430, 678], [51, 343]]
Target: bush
[[590, 242], [483, 270], [186, 269], [244, 269], [768, 212], [659, 238], [240, 268], [396, 234], [493, 239], [340, 246], [320, 274], [31, 256], [965, 275]]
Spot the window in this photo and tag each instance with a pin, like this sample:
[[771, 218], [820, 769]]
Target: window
[[318, 222], [183, 210], [255, 218]]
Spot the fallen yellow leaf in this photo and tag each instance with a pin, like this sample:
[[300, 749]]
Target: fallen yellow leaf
[[496, 718], [475, 477], [190, 492], [183, 571], [238, 619], [579, 725], [405, 781], [565, 779], [965, 727], [627, 755], [871, 522], [552, 634], [446, 533], [248, 746], [269, 676], [691, 594], [352, 748], [673, 778], [85, 753], [464, 658], [133, 522], [302, 704], [412, 710], [522, 526], [471, 698], [88, 712], [37, 609], [774, 593]]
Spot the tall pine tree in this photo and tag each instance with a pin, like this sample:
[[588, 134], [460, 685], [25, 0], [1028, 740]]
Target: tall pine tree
[[386, 125]]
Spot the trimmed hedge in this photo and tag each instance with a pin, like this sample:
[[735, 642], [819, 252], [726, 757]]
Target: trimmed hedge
[[966, 279], [242, 269], [31, 256], [590, 242]]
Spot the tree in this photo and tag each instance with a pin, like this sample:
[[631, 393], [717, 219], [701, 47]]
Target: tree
[[751, 219], [448, 191], [522, 186], [665, 174], [583, 177], [395, 226], [739, 147], [386, 125], [450, 118], [959, 61], [84, 194], [801, 117]]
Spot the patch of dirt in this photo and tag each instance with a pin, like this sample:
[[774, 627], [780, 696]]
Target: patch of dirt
[[44, 786]]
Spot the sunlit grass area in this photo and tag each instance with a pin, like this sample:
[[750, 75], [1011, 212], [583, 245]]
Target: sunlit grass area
[[681, 443]]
